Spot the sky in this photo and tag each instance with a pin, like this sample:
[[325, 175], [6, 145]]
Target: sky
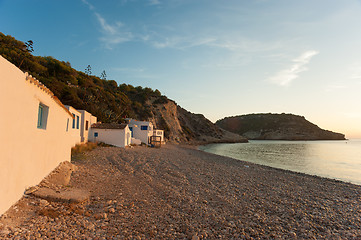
[[218, 58]]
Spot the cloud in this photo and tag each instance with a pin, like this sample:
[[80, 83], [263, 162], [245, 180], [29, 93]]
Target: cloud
[[179, 42], [106, 27], [355, 70], [112, 33], [91, 7], [286, 76], [154, 2], [138, 70], [231, 44], [335, 87]]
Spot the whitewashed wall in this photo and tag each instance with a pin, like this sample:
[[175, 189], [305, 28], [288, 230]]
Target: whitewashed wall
[[84, 129], [115, 137], [74, 132], [142, 135], [160, 133], [27, 153]]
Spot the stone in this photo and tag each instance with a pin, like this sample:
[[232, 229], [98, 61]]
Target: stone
[[195, 237], [64, 195], [61, 175], [43, 203], [4, 232]]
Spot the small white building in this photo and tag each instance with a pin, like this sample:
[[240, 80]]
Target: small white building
[[143, 130], [34, 132], [114, 134], [74, 125], [86, 121]]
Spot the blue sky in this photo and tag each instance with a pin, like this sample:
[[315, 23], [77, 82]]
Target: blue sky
[[218, 58]]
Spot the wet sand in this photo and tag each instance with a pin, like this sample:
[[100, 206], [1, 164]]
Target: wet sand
[[179, 192]]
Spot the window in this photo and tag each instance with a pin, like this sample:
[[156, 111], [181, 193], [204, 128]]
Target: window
[[131, 130], [73, 120], [77, 122], [67, 124], [144, 127], [86, 125], [42, 116]]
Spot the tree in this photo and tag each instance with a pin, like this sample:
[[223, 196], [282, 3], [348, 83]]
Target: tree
[[103, 75], [27, 47], [88, 70]]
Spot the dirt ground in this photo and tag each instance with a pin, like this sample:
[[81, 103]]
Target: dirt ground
[[178, 192]]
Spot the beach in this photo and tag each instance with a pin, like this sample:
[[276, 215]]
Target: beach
[[179, 192]]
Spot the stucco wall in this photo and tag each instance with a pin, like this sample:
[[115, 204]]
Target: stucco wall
[[160, 133], [116, 137], [84, 132], [28, 153], [74, 132], [142, 135]]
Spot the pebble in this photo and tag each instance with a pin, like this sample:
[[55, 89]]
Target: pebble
[[195, 237], [163, 197], [43, 203]]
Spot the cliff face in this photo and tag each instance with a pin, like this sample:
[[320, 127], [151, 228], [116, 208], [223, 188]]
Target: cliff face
[[182, 126], [276, 127]]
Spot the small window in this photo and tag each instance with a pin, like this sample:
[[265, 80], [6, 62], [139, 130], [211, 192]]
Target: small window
[[143, 127], [67, 124], [77, 122], [86, 125], [73, 120], [42, 116], [131, 128]]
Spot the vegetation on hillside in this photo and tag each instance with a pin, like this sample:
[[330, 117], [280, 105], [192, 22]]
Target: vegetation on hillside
[[103, 98], [110, 102], [276, 126]]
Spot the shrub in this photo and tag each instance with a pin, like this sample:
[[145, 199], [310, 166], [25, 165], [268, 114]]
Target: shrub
[[81, 148]]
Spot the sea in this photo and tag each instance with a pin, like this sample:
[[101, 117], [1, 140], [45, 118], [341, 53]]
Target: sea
[[339, 160]]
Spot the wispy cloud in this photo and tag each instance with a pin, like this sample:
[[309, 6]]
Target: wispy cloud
[[138, 70], [355, 70], [154, 2], [106, 27], [112, 33], [286, 76], [91, 7], [335, 87]]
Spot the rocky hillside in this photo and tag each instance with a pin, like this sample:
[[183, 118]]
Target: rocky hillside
[[181, 125], [276, 127], [109, 101]]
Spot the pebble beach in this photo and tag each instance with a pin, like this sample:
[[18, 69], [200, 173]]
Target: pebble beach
[[179, 192]]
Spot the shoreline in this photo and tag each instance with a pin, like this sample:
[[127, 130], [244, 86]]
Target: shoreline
[[180, 192], [349, 180]]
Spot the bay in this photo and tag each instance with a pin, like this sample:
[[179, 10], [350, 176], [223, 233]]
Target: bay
[[339, 160]]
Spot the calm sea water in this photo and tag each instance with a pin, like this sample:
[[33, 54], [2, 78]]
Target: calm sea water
[[332, 159]]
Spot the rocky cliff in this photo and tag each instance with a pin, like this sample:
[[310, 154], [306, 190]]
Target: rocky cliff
[[276, 127], [182, 126]]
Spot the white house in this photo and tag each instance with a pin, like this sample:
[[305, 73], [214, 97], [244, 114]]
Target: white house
[[34, 132], [86, 121], [143, 130], [74, 125], [114, 134]]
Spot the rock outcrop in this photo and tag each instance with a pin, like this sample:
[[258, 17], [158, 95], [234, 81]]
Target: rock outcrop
[[182, 126], [276, 127]]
